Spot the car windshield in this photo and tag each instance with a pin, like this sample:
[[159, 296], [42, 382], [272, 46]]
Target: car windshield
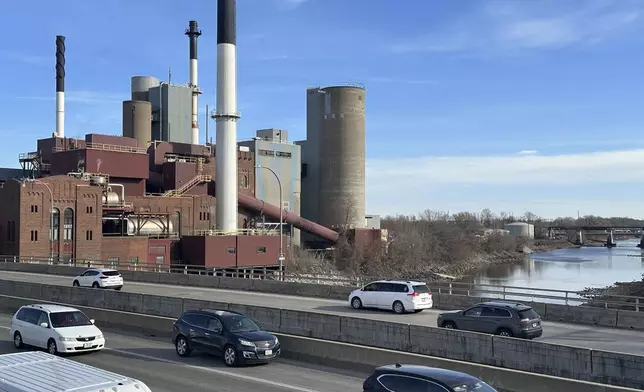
[[69, 319], [240, 324], [111, 273], [528, 314], [479, 386]]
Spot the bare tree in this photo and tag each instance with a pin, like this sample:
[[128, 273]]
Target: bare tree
[[530, 217], [487, 218]]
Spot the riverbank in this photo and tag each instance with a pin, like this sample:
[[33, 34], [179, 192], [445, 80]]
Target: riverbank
[[538, 246]]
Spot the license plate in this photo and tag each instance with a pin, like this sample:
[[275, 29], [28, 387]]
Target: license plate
[[87, 345], [268, 352]]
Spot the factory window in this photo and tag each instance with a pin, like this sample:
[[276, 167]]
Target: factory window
[[34, 235], [231, 251], [283, 154], [261, 249], [68, 224], [34, 208], [176, 221], [160, 260], [89, 235], [201, 216], [134, 260], [55, 224], [89, 209], [113, 260], [244, 181], [266, 152], [207, 216]]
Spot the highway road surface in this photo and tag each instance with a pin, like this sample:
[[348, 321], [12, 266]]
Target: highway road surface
[[155, 363], [610, 339]]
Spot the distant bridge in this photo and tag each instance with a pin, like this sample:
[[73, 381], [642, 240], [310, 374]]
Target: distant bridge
[[611, 231], [594, 228]]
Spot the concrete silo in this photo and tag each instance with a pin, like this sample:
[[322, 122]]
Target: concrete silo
[[341, 145], [140, 87], [137, 121], [520, 229]]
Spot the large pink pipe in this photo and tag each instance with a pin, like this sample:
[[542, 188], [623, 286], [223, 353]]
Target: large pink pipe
[[273, 212]]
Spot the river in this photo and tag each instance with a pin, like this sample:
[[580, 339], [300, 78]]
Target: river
[[570, 269]]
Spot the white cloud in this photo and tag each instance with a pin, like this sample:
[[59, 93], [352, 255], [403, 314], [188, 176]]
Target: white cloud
[[501, 26], [528, 152], [598, 167], [548, 185]]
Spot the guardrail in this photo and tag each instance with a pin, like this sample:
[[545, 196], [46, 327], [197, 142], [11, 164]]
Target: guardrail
[[595, 298], [510, 353]]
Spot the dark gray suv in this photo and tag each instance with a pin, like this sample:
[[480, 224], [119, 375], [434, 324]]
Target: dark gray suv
[[499, 318]]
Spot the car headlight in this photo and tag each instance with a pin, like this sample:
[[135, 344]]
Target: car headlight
[[245, 342], [277, 341], [64, 339], [99, 337]]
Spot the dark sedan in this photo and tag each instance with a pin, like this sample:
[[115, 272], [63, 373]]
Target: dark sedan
[[499, 318], [231, 335]]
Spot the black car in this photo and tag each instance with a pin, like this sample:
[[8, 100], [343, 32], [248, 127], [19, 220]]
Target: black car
[[495, 317], [413, 378], [237, 338]]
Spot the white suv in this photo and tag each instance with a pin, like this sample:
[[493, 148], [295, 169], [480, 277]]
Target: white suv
[[58, 329], [397, 295], [99, 277]]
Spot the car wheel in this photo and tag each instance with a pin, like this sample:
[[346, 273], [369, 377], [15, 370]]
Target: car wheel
[[51, 347], [398, 307], [95, 285], [17, 340], [230, 356], [76, 284], [504, 332], [182, 346], [356, 303], [449, 325], [418, 310]]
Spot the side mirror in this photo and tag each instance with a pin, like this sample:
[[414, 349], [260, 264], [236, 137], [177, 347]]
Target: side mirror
[[44, 325], [92, 321]]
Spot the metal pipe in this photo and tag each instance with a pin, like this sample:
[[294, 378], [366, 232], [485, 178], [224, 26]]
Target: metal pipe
[[193, 33], [226, 116], [60, 86], [122, 190], [281, 255]]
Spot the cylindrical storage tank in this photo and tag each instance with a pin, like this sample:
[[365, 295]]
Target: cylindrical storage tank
[[342, 158], [519, 229], [149, 226], [111, 198], [137, 121], [141, 85]]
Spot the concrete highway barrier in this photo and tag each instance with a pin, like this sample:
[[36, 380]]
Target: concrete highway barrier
[[611, 318], [518, 354], [343, 355]]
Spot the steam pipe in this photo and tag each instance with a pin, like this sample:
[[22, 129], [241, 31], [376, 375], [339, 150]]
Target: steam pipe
[[274, 212], [226, 116], [60, 86], [193, 33]]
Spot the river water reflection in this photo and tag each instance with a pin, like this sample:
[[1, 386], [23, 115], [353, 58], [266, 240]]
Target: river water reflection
[[570, 269]]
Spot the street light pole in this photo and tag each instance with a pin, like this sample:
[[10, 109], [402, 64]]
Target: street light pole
[[51, 215], [279, 184]]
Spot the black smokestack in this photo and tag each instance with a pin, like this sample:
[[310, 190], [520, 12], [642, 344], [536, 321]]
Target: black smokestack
[[60, 63], [193, 32], [226, 22]]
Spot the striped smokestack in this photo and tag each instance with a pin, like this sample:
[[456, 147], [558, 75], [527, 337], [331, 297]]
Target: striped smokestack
[[60, 86], [226, 116], [193, 33]]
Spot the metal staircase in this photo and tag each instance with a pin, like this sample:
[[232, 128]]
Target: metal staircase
[[196, 180]]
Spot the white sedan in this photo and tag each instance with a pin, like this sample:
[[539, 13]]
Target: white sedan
[[99, 278]]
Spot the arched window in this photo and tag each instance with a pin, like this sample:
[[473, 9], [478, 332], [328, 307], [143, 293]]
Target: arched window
[[68, 224], [55, 224], [244, 181]]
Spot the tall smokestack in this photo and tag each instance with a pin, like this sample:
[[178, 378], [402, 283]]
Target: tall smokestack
[[193, 33], [60, 86], [226, 116]]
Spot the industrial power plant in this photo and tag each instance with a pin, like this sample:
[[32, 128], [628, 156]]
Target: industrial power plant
[[156, 195]]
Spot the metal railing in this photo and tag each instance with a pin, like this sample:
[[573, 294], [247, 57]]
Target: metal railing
[[248, 232], [103, 147], [595, 298]]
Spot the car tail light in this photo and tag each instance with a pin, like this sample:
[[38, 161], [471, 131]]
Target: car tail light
[[524, 320], [366, 386], [414, 294]]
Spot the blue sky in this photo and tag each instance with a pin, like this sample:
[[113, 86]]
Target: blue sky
[[512, 105]]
